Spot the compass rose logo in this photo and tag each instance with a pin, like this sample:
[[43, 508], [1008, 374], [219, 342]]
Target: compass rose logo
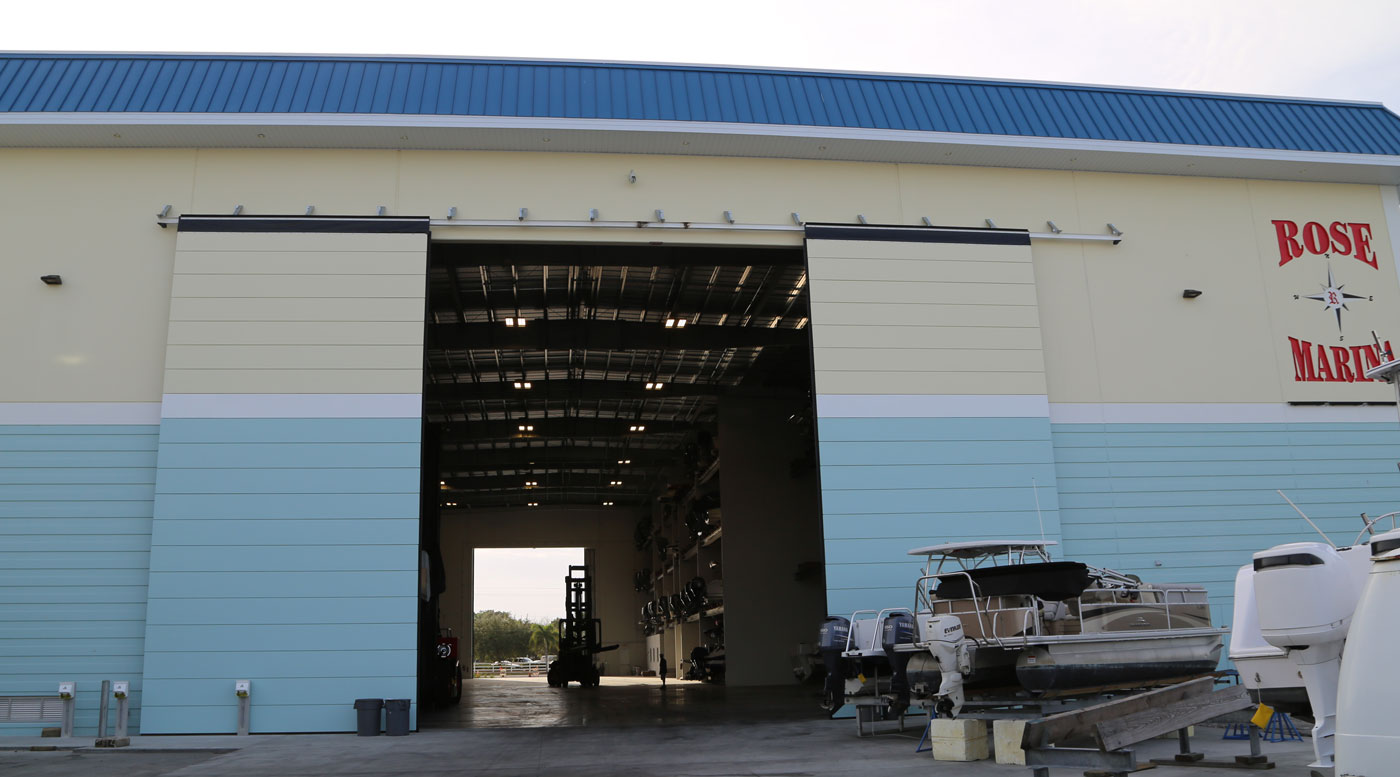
[[1332, 297]]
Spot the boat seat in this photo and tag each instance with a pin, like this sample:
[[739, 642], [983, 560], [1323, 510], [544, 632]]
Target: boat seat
[[1002, 616]]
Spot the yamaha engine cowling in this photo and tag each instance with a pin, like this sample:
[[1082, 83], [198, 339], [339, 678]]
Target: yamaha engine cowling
[[831, 642], [898, 628]]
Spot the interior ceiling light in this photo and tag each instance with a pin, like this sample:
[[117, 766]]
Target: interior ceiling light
[[636, 428], [522, 384], [675, 323], [655, 386], [515, 322]]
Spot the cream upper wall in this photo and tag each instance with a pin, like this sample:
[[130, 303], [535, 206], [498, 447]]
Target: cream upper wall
[[1114, 326], [88, 216]]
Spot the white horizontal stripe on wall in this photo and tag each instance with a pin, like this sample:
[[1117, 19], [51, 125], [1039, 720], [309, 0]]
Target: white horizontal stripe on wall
[[292, 406], [1223, 413], [93, 413], [932, 406]]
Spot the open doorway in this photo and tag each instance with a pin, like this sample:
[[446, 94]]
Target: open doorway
[[651, 404], [517, 601]]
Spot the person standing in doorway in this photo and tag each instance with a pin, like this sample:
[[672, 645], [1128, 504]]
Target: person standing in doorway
[[662, 671]]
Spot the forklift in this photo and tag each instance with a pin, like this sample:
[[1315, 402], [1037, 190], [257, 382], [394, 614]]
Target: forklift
[[578, 634]]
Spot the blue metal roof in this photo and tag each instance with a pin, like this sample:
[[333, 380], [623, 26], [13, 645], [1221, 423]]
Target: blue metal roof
[[140, 83]]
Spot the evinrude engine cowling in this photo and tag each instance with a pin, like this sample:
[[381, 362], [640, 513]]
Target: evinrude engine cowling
[[831, 642], [898, 628]]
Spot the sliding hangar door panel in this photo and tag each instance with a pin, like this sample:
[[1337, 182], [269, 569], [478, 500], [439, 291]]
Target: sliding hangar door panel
[[284, 545], [932, 417]]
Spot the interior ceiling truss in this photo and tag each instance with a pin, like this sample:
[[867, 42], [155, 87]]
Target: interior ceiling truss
[[578, 374]]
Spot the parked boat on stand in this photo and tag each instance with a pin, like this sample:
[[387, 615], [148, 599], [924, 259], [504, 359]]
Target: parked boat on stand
[[1003, 615]]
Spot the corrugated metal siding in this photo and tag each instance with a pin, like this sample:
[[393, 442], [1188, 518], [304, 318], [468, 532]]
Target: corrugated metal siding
[[214, 84], [75, 538]]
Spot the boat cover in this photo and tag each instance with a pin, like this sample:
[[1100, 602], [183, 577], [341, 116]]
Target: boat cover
[[1053, 581]]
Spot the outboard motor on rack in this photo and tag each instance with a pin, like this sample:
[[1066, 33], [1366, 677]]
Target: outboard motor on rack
[[831, 642], [1306, 593], [898, 629]]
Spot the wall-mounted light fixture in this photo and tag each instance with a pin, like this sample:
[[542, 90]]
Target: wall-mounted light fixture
[[675, 323], [522, 384], [1190, 293], [52, 280], [655, 386], [526, 427], [636, 428]]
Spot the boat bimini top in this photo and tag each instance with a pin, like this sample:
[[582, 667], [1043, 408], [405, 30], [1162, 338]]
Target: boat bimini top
[[971, 555]]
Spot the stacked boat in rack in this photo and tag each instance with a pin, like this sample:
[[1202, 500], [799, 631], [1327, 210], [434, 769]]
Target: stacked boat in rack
[[1003, 617]]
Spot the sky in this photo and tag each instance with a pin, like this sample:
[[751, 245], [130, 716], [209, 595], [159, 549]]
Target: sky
[[525, 582], [1344, 49]]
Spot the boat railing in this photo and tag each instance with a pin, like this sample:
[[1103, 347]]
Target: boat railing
[[877, 616], [1370, 525], [990, 619], [1154, 598], [981, 607]]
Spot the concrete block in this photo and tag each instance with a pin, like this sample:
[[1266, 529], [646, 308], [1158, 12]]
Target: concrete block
[[958, 740], [960, 749], [960, 728], [1006, 741]]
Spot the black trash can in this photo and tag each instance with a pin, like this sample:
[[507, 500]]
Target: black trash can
[[367, 716], [396, 717]]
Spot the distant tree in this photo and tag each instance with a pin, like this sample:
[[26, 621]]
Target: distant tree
[[498, 636], [544, 639]]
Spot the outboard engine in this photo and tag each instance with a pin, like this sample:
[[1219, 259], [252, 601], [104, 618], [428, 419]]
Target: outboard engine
[[1306, 593], [831, 641], [949, 657], [898, 629]]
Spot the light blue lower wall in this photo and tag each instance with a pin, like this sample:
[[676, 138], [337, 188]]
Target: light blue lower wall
[[75, 533], [1199, 499], [285, 552], [892, 484], [1183, 503]]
